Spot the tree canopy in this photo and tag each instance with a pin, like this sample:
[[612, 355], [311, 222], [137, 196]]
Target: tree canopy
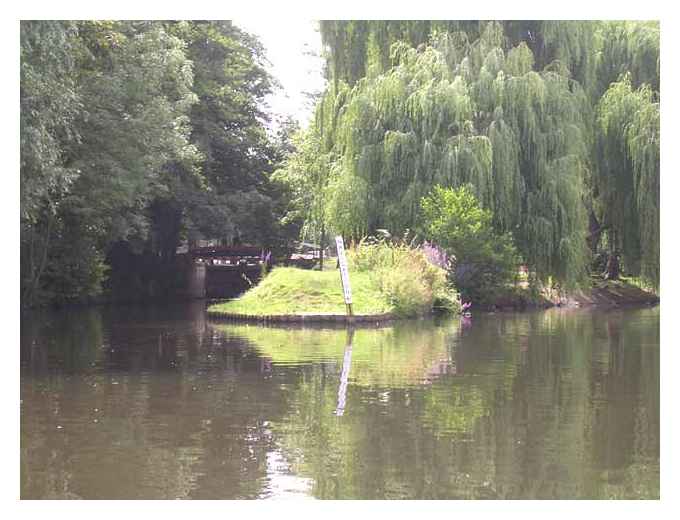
[[139, 133], [516, 109]]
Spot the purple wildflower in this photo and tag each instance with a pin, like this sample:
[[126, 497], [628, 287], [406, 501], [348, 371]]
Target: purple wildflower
[[436, 255]]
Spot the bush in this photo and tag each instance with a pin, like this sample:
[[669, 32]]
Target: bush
[[484, 262], [411, 282]]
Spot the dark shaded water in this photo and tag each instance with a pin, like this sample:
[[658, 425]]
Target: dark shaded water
[[160, 403]]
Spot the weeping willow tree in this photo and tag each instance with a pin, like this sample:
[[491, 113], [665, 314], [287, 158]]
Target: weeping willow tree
[[627, 127], [458, 112], [628, 47], [512, 108], [628, 176], [359, 48]]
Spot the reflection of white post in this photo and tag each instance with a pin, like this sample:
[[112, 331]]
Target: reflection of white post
[[344, 377]]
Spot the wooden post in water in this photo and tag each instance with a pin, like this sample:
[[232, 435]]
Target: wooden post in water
[[344, 275]]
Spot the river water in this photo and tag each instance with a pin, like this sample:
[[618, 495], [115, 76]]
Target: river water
[[145, 402]]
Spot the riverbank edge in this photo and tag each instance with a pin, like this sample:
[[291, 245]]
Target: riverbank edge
[[305, 318], [606, 296], [596, 298]]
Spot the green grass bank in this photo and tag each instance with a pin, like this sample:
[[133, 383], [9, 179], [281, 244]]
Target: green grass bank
[[395, 280], [289, 291]]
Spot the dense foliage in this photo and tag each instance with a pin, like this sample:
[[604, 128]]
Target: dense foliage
[[627, 179], [518, 110], [485, 261], [134, 136], [407, 276]]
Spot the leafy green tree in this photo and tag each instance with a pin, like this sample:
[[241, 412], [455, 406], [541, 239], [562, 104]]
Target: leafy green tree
[[229, 128], [628, 175], [305, 173], [136, 84], [628, 47], [49, 104], [485, 261], [511, 107], [458, 112], [130, 86], [134, 135], [361, 48]]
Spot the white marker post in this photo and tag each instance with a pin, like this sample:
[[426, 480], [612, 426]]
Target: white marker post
[[344, 274]]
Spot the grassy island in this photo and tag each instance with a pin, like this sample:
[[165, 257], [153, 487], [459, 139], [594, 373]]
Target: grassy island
[[386, 279], [289, 290]]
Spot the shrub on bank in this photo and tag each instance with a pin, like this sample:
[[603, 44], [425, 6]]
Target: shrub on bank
[[410, 281], [486, 262]]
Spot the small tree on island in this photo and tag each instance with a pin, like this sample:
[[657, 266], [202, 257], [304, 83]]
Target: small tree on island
[[485, 261]]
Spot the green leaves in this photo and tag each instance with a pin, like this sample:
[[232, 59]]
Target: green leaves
[[136, 96], [509, 108], [120, 115], [628, 176], [49, 105], [455, 113], [485, 260], [228, 128]]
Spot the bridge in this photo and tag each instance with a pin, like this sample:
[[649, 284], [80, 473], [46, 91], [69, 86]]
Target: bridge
[[223, 272]]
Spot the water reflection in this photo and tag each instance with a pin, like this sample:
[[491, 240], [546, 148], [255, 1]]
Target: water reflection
[[344, 376], [159, 403], [404, 354]]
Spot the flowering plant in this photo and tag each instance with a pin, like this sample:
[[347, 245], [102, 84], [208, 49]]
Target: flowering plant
[[264, 261], [436, 255]]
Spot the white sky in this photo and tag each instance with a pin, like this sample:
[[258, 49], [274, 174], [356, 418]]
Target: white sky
[[287, 48]]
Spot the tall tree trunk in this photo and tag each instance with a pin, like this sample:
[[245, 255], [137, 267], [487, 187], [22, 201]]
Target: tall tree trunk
[[37, 269], [612, 270], [595, 232]]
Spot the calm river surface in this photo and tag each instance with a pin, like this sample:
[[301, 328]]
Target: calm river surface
[[147, 402]]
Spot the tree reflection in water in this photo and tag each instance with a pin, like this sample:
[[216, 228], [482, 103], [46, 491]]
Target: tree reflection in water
[[157, 403]]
